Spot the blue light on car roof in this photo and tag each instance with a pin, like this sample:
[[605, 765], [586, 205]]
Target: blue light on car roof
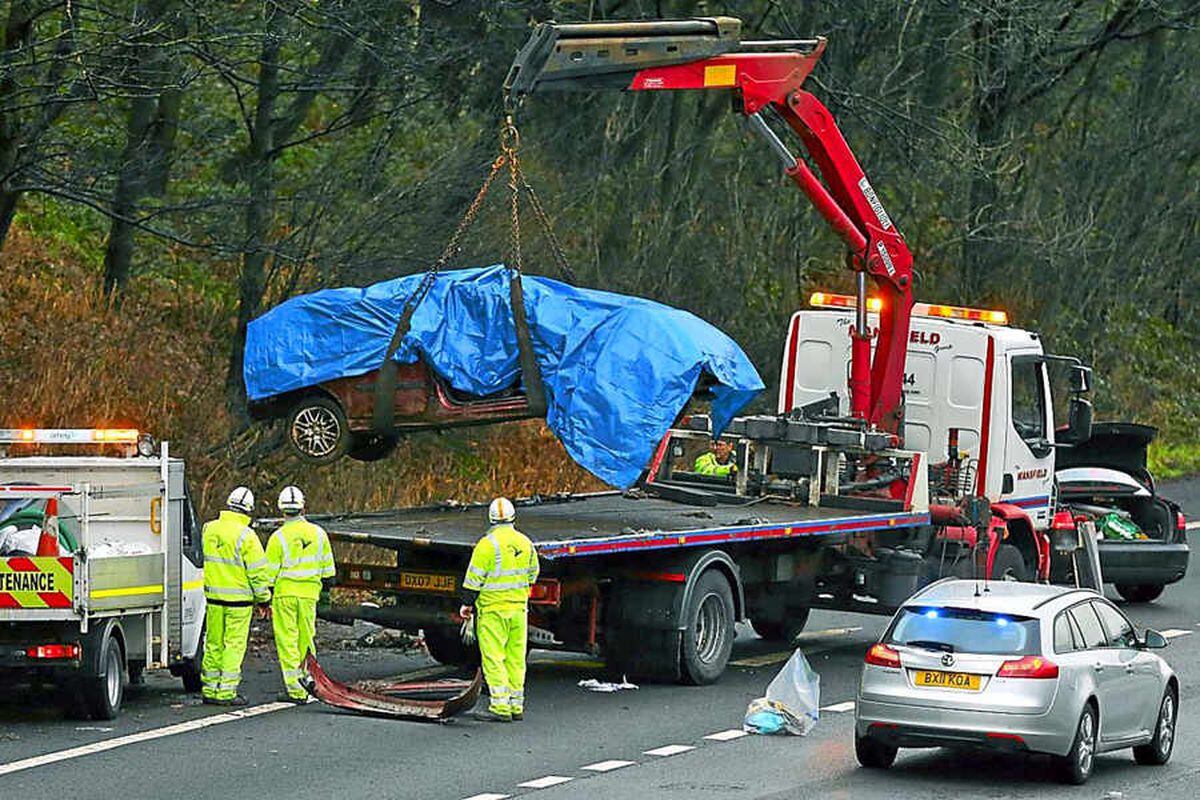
[[931, 613], [1001, 621]]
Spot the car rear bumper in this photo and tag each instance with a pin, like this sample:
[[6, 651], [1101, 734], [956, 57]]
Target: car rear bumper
[[920, 726], [1143, 562]]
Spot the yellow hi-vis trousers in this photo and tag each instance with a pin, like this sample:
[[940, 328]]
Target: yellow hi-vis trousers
[[226, 630], [502, 635], [294, 620]]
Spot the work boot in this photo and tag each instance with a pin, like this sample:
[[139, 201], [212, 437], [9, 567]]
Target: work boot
[[212, 701], [517, 716], [237, 700], [487, 715], [284, 697]]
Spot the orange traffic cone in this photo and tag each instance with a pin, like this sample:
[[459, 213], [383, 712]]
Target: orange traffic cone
[[48, 541]]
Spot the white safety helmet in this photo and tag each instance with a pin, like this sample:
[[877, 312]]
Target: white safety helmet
[[241, 499], [291, 500], [501, 510]]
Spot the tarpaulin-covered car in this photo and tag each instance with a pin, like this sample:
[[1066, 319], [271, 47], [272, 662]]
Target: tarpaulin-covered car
[[617, 370]]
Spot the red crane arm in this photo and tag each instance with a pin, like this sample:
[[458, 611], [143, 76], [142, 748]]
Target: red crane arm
[[674, 55]]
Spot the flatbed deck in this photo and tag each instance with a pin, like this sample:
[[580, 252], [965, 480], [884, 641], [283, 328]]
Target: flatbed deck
[[610, 523]]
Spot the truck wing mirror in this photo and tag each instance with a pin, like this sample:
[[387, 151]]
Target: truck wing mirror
[[1081, 379], [1079, 422]]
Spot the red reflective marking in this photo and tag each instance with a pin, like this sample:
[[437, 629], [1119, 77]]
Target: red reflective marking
[[22, 564], [669, 577], [54, 599], [68, 563], [985, 424], [789, 389], [8, 601]]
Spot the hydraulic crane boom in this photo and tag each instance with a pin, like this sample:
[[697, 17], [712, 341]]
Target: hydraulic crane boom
[[708, 53]]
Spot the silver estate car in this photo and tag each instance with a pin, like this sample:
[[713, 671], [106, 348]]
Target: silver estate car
[[1016, 666]]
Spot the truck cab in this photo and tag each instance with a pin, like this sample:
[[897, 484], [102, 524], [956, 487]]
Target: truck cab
[[969, 377]]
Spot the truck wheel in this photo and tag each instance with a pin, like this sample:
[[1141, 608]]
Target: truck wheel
[[1141, 592], [446, 646], [708, 633], [104, 691], [317, 429], [781, 630], [188, 670], [1008, 564]]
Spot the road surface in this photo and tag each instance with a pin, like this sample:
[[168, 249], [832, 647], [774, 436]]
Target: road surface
[[670, 742]]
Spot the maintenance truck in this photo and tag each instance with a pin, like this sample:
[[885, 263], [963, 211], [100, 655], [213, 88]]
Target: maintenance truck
[[909, 443], [115, 585]]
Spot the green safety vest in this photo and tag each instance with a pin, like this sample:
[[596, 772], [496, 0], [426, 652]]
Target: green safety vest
[[707, 464], [298, 557], [235, 570], [503, 567]]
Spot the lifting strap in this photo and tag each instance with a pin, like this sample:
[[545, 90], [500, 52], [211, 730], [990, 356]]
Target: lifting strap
[[383, 418]]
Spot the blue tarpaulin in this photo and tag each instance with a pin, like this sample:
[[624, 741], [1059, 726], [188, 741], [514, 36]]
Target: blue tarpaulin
[[617, 370]]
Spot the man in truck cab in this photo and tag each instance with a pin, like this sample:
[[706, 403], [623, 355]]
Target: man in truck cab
[[299, 558], [235, 578], [717, 461], [503, 567]]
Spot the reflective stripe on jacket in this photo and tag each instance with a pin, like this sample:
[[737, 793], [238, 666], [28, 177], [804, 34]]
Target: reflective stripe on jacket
[[503, 567], [298, 557], [235, 568]]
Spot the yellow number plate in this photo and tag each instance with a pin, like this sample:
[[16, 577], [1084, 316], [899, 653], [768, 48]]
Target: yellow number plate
[[427, 582], [947, 680]]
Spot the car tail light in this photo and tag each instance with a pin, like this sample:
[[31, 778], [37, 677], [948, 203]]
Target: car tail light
[[1028, 667], [880, 655], [50, 651], [1180, 522]]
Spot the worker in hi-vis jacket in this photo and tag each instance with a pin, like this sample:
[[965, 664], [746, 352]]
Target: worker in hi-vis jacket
[[495, 593], [300, 558], [717, 461]]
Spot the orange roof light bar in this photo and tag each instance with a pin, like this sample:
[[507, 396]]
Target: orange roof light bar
[[875, 304], [68, 435]]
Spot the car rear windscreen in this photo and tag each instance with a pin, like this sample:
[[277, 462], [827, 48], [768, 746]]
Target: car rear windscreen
[[959, 630]]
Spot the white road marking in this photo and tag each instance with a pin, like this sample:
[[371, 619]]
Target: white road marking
[[808, 636], [669, 750], [1172, 633], [143, 736], [542, 783], [1193, 525], [608, 766], [725, 736], [487, 796], [840, 708]]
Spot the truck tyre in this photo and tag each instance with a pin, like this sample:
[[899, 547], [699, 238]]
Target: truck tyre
[[188, 670], [317, 429], [1140, 592], [708, 630], [446, 646], [787, 629], [104, 691], [1008, 565]]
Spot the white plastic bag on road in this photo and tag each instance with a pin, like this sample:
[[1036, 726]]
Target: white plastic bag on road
[[793, 701]]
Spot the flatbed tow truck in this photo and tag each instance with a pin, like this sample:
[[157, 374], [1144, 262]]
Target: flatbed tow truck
[[836, 501]]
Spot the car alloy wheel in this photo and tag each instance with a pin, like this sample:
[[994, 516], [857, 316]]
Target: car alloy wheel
[[1087, 743], [317, 430], [1166, 726]]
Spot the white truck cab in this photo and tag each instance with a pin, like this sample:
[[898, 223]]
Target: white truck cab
[[967, 374]]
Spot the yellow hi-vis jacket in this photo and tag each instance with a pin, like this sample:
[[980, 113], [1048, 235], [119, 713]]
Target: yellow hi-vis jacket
[[707, 464], [298, 557], [503, 567], [235, 569]]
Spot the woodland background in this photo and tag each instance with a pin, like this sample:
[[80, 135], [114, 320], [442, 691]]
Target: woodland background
[[169, 169]]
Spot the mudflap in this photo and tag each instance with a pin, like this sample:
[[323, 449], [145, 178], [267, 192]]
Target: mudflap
[[435, 701]]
